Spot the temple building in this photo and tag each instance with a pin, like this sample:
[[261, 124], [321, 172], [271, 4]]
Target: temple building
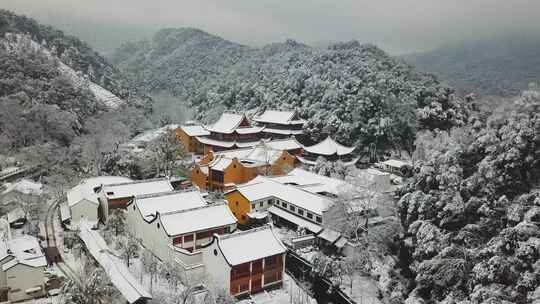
[[330, 150], [188, 135], [246, 262], [280, 124], [118, 196], [286, 204], [174, 226], [220, 171], [231, 131]]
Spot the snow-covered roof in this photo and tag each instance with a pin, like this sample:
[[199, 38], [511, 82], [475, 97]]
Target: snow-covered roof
[[313, 182], [129, 189], [165, 202], [85, 190], [329, 147], [259, 155], [215, 142], [305, 161], [65, 213], [81, 192], [227, 123], [396, 163], [264, 154], [15, 215], [250, 245], [329, 235], [245, 144], [195, 130], [284, 144], [263, 187], [24, 186], [259, 215], [279, 117], [151, 135], [293, 218], [9, 170], [283, 132], [114, 267], [197, 219], [236, 153], [24, 250], [220, 163], [250, 130]]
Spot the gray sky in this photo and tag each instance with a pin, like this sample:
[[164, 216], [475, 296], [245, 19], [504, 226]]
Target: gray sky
[[398, 26]]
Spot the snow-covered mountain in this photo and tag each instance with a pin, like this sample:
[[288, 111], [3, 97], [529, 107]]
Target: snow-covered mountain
[[356, 93], [52, 85], [18, 43], [500, 67]]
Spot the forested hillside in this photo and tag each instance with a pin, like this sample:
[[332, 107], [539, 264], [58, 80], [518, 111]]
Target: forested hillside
[[69, 49], [354, 92], [471, 214], [62, 106], [501, 67]]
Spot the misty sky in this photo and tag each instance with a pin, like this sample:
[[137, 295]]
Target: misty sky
[[398, 26]]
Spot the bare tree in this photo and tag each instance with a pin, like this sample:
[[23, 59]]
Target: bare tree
[[351, 212], [167, 150], [117, 221], [150, 265], [129, 248], [355, 264]]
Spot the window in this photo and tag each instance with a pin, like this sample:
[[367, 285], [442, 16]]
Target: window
[[215, 252], [284, 204], [177, 240], [227, 229], [272, 277], [203, 234], [319, 219], [243, 287], [217, 176], [188, 238], [261, 204], [256, 266], [271, 201], [310, 216], [110, 193], [239, 271], [270, 262], [301, 212], [253, 206], [236, 203], [291, 207], [133, 206], [157, 225]]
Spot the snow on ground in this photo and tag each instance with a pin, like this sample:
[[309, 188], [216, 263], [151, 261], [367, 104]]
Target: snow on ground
[[50, 300], [24, 186], [8, 170], [291, 292], [114, 267], [364, 289], [150, 135]]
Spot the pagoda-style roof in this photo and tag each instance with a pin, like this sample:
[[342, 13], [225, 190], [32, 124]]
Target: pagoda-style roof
[[279, 117], [231, 122], [329, 147]]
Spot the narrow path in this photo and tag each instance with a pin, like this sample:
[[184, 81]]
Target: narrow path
[[52, 246]]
